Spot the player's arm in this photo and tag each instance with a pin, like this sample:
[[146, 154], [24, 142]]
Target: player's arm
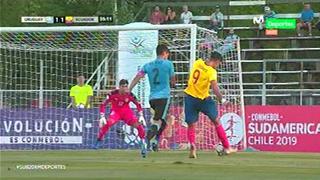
[[172, 75], [215, 87], [136, 102], [102, 109], [88, 102], [216, 90], [73, 100], [139, 107], [136, 79], [89, 97], [103, 105], [173, 81]]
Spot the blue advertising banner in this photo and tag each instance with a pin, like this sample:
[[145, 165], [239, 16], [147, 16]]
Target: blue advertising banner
[[57, 128]]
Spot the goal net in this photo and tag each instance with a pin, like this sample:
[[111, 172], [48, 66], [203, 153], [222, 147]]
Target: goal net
[[40, 65]]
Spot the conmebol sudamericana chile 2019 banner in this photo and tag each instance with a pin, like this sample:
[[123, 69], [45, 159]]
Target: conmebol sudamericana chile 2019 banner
[[268, 128], [283, 128]]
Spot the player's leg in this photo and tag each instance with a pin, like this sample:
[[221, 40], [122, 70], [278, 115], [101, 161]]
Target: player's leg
[[191, 133], [191, 112], [155, 125], [113, 118], [209, 108], [141, 134], [130, 119], [161, 129], [160, 107]]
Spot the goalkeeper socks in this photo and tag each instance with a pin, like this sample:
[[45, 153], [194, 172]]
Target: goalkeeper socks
[[141, 132], [157, 137], [222, 136], [191, 135], [162, 128], [153, 130], [103, 130]]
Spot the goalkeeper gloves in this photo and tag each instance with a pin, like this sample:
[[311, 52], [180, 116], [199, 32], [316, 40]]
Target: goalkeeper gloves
[[141, 119], [102, 120]]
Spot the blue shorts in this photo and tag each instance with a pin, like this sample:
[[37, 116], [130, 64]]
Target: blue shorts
[[193, 106]]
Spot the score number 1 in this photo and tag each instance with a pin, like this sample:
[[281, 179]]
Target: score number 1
[[59, 19]]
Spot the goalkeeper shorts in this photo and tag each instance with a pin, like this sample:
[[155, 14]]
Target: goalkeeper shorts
[[124, 114]]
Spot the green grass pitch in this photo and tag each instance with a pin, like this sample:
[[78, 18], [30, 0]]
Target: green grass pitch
[[163, 165]]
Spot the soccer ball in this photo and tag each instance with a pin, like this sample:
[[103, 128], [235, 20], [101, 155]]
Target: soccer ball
[[80, 106], [220, 150]]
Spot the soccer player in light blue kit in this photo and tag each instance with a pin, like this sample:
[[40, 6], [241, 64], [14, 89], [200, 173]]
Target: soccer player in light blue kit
[[160, 74]]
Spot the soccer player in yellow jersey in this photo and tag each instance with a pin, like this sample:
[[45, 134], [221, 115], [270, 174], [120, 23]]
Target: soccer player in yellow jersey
[[81, 94], [197, 99]]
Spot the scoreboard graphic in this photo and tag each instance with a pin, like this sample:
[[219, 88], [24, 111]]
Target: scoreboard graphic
[[67, 19]]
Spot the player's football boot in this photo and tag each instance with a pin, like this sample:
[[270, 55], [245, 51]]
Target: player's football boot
[[97, 145], [148, 145], [154, 144], [230, 150], [153, 130], [193, 153], [143, 147], [220, 150]]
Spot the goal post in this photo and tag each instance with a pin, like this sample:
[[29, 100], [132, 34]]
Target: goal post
[[39, 66]]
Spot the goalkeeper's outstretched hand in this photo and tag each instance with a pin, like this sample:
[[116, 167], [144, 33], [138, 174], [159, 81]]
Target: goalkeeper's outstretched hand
[[142, 120], [102, 120]]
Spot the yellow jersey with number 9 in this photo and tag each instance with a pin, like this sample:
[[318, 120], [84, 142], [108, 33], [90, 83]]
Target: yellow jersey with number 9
[[200, 79]]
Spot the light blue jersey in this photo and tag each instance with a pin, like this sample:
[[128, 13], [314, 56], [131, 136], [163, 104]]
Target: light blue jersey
[[159, 73]]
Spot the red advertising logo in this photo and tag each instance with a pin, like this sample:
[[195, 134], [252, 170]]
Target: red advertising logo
[[283, 128]]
